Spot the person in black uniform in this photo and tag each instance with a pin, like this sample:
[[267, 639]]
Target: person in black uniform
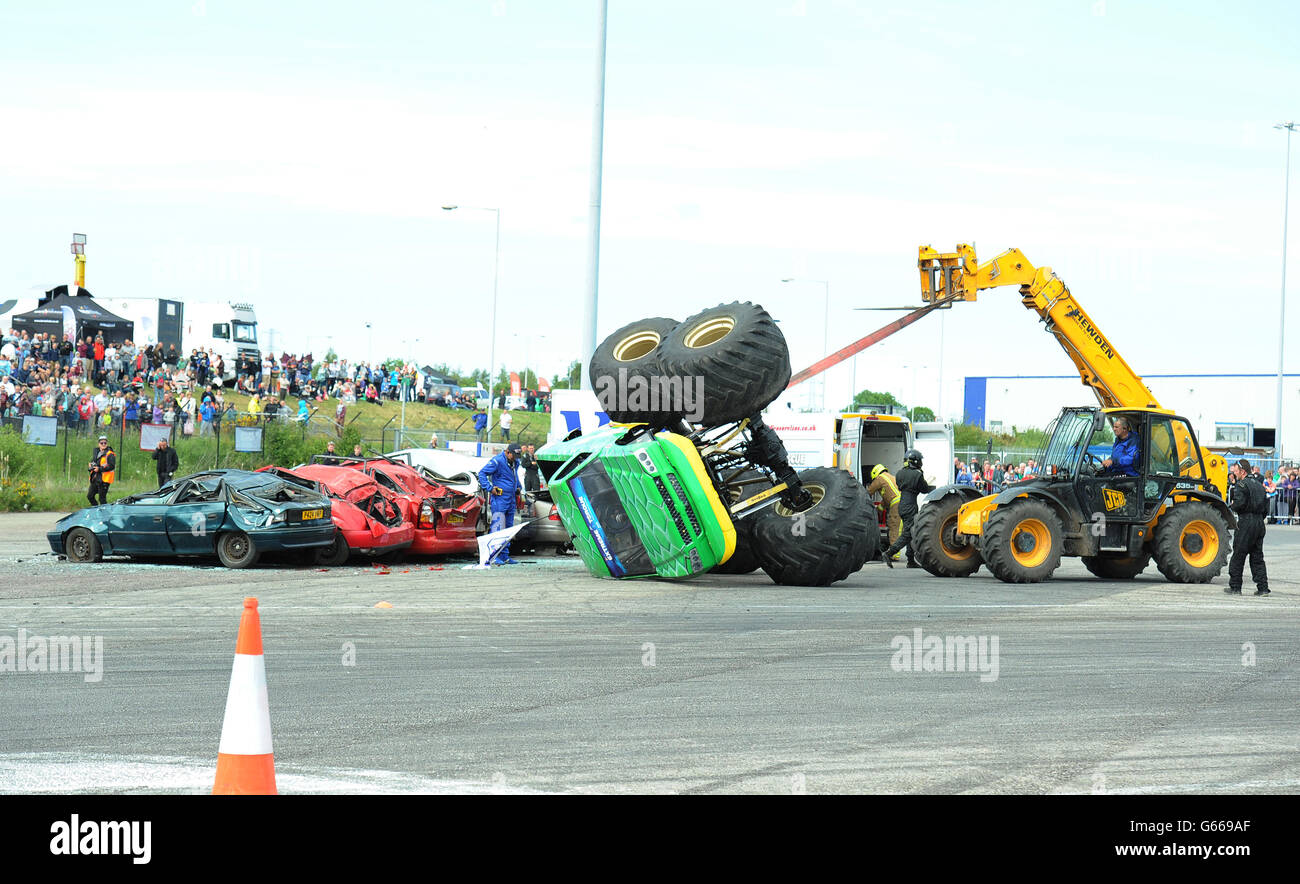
[[528, 460], [1249, 501], [168, 462], [911, 482]]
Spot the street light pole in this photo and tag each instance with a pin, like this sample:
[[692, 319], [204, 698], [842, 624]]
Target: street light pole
[[593, 218], [1281, 323], [826, 326], [496, 276], [911, 405]]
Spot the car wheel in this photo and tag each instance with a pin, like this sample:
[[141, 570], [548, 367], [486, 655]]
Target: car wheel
[[82, 546], [236, 550], [631, 352], [739, 354], [336, 553]]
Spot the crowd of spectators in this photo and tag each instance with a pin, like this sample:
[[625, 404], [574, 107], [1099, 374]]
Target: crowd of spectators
[[97, 384], [1283, 487], [992, 474], [304, 377], [1281, 483]]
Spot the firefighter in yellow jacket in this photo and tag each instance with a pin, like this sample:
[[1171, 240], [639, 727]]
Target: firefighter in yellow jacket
[[102, 467], [883, 484]]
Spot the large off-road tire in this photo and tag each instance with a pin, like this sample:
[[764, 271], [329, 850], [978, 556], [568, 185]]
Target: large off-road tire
[[81, 546], [236, 549], [824, 543], [934, 532], [335, 554], [633, 349], [1117, 567], [1022, 541], [1191, 543], [738, 353], [743, 560]]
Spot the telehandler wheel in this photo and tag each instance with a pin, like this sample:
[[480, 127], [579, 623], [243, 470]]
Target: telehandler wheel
[[739, 353], [634, 349], [934, 533], [1117, 567], [824, 543], [1191, 543], [1022, 541]]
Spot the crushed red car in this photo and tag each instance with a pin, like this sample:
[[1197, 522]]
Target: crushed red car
[[368, 519], [446, 521]]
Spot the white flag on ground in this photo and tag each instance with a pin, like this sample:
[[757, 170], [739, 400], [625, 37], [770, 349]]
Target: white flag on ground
[[491, 546]]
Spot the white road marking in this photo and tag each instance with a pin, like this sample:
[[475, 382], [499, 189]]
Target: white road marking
[[77, 773]]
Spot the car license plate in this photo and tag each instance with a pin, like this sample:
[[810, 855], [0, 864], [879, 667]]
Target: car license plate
[[308, 515]]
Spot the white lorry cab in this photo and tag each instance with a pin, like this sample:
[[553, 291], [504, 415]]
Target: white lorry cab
[[228, 329], [858, 440]]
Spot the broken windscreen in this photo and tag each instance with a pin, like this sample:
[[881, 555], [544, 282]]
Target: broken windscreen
[[282, 492], [608, 523]]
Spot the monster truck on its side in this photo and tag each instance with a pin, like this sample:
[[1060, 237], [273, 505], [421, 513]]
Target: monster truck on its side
[[689, 479]]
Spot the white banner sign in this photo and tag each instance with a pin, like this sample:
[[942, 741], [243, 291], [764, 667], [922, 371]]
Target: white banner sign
[[248, 438], [39, 430], [152, 434]]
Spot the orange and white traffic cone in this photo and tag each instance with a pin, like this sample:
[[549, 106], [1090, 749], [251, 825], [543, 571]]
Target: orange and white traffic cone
[[245, 763]]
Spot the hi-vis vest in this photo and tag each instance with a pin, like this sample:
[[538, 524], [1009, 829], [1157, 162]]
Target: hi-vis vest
[[891, 495], [101, 458]]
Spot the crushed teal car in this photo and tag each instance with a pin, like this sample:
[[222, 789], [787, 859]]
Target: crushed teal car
[[231, 514]]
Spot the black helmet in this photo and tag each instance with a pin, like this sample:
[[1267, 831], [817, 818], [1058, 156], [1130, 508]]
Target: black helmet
[[913, 458]]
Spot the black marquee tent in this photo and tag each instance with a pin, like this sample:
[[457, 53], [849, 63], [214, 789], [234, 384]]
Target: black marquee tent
[[89, 318]]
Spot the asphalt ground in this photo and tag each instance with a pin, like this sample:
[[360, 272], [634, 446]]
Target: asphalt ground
[[540, 678]]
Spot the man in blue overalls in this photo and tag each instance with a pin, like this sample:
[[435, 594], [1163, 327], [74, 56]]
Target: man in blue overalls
[[500, 479], [1125, 456]]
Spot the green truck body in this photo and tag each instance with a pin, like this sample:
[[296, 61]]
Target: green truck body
[[638, 505]]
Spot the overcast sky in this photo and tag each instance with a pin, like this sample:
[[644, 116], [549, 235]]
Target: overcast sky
[[296, 155]]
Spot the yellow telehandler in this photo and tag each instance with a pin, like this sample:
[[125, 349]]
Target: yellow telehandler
[[1167, 504]]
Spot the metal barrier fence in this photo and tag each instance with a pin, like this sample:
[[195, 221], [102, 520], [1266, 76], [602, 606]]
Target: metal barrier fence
[[200, 444], [213, 445], [1005, 456], [395, 438]]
